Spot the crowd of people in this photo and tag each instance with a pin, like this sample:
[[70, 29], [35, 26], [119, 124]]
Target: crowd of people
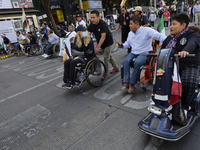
[[136, 36]]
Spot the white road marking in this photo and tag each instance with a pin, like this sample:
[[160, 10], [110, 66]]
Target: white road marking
[[42, 76], [34, 87], [138, 105], [21, 119]]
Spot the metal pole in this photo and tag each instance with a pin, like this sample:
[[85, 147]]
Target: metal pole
[[154, 3], [82, 8]]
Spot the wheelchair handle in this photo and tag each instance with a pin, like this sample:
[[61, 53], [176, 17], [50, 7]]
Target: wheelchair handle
[[188, 55], [152, 55]]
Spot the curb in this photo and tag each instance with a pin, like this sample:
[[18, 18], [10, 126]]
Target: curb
[[6, 56]]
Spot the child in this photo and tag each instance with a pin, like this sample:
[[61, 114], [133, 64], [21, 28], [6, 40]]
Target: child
[[152, 18]]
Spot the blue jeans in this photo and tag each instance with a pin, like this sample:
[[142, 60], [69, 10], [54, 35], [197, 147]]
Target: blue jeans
[[139, 61], [49, 45], [17, 46]]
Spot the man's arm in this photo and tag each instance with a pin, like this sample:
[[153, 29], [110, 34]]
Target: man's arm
[[156, 35], [102, 39]]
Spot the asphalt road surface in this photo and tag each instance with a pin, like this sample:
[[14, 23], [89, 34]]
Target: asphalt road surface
[[36, 113]]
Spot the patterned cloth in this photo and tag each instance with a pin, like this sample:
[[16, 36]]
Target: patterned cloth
[[172, 43], [189, 78]]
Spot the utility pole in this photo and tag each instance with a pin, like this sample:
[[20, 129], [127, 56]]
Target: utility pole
[[155, 4], [82, 8]]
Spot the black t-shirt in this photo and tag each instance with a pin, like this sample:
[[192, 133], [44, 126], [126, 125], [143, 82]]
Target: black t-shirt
[[33, 40], [6, 40], [121, 20], [102, 27]]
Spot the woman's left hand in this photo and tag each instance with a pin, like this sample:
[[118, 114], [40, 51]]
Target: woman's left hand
[[183, 54]]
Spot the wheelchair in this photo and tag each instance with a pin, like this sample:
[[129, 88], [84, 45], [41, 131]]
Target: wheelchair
[[36, 49], [91, 72], [54, 50], [146, 71]]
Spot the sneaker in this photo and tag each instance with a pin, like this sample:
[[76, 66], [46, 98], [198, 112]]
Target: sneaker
[[104, 77], [26, 54], [29, 55], [46, 56], [114, 70], [43, 55], [67, 85]]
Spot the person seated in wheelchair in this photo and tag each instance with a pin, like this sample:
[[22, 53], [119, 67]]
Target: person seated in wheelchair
[[6, 43], [21, 41], [33, 40], [52, 39], [82, 50], [185, 41], [140, 40]]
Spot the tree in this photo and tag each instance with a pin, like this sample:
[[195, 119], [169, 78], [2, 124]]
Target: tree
[[46, 6]]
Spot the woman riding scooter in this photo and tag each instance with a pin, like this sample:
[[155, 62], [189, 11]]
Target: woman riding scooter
[[185, 41], [82, 50]]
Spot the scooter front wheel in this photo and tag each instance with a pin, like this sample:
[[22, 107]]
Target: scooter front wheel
[[156, 141]]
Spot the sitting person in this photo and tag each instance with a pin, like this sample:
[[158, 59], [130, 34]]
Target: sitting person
[[33, 40], [140, 40], [185, 41], [52, 39], [82, 50], [21, 40], [6, 42]]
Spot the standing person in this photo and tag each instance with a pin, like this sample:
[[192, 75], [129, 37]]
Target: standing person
[[160, 13], [196, 12], [65, 26], [171, 11], [166, 17], [104, 41], [80, 21], [124, 20], [191, 13], [131, 13], [152, 18], [138, 12], [45, 30]]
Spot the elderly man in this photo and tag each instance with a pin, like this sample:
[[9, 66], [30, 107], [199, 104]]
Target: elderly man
[[196, 12]]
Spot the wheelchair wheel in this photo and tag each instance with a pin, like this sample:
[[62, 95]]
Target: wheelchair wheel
[[36, 49], [94, 71], [56, 49], [152, 68], [10, 49]]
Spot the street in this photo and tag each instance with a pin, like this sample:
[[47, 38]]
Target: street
[[36, 113]]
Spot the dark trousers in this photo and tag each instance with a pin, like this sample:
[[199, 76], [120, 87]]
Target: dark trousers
[[28, 48], [189, 78], [191, 17], [166, 23], [124, 38], [152, 23], [69, 68]]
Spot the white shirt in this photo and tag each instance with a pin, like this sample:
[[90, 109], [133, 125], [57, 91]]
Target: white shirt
[[80, 23], [71, 35], [21, 37], [152, 17], [141, 41]]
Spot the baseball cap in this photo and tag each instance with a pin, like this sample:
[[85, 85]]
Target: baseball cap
[[138, 8], [78, 15], [131, 11], [81, 28]]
